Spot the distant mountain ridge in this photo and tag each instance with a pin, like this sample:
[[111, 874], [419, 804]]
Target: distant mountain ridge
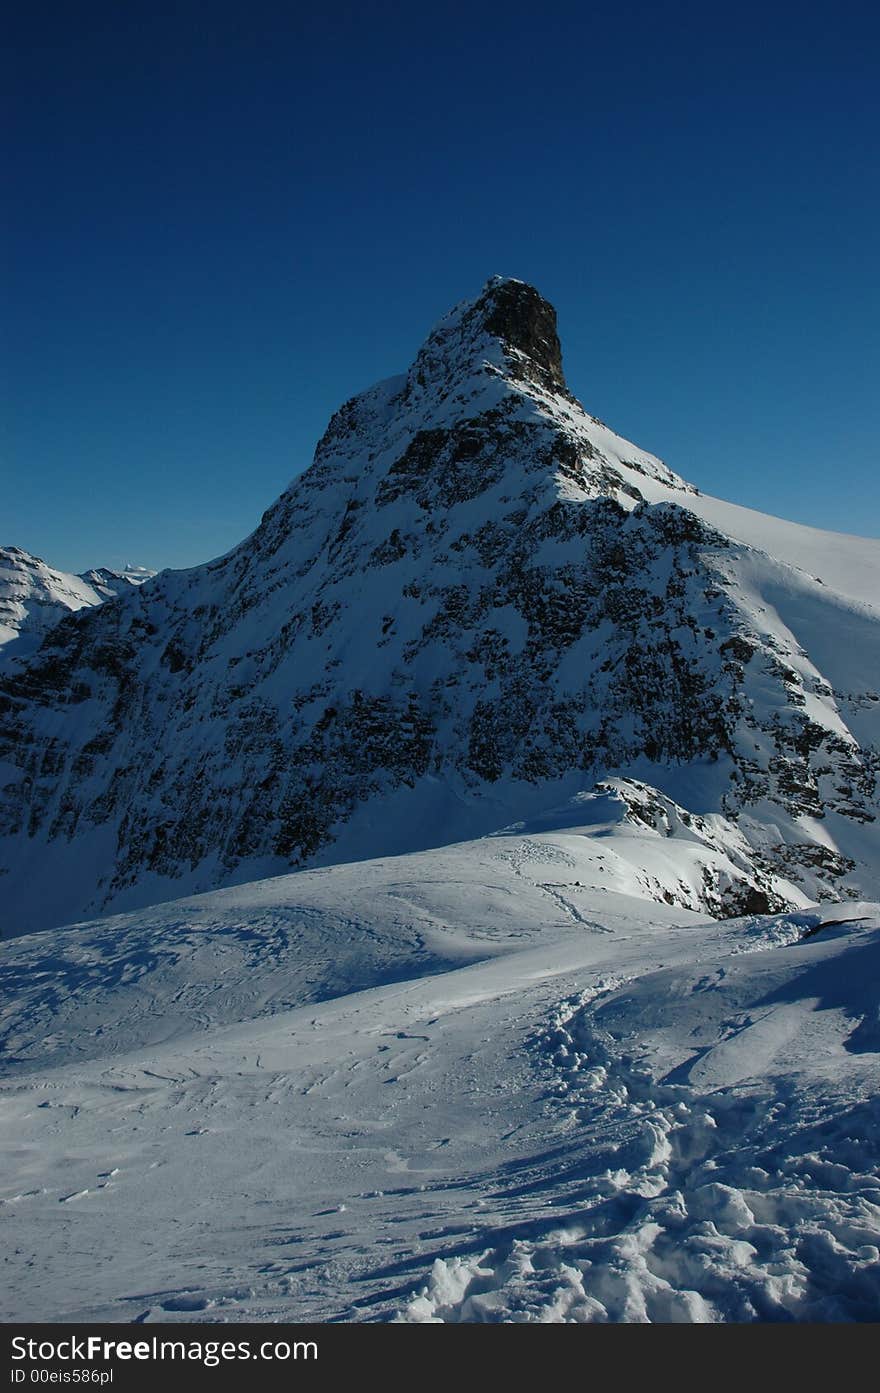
[[478, 606], [34, 595]]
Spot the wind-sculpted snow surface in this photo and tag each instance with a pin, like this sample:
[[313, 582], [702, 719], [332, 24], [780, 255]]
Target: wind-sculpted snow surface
[[91, 990], [490, 1082], [725, 1146], [476, 604]]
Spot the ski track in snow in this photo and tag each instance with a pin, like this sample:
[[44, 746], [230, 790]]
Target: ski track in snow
[[534, 854]]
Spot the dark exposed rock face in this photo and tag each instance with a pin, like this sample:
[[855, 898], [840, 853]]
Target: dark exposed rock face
[[466, 596], [521, 318]]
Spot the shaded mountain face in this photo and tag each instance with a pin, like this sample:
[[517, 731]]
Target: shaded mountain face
[[476, 606]]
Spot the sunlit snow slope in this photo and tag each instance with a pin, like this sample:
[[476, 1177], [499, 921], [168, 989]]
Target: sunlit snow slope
[[848, 565], [485, 1083]]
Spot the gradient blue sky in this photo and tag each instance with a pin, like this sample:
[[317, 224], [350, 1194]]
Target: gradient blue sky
[[228, 218]]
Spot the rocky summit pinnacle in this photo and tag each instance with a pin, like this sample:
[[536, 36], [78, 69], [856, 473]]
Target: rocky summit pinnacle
[[517, 314], [476, 605]]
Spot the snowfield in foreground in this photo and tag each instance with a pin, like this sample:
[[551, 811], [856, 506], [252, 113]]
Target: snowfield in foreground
[[492, 1082]]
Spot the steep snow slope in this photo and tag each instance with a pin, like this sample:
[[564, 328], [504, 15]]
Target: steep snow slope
[[848, 565], [545, 1099], [34, 597], [477, 604]]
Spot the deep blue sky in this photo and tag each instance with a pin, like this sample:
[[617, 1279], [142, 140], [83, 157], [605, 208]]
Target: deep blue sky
[[227, 218]]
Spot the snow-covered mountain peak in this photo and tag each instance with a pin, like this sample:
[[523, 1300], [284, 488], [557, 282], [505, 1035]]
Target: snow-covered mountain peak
[[522, 709], [477, 604], [109, 581], [34, 597], [508, 330], [481, 421]]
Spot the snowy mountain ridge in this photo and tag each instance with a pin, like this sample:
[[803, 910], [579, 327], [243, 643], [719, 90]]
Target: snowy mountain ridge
[[34, 596], [478, 606]]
